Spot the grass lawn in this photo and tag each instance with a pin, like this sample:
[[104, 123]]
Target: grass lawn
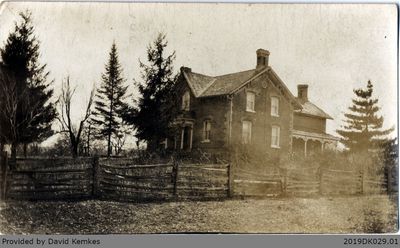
[[361, 214]]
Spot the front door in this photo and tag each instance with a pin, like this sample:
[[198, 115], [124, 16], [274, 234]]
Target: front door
[[186, 138]]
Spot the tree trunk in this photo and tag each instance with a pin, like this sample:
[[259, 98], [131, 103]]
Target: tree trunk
[[88, 141], [25, 150], [13, 151], [73, 145], [74, 148], [75, 151], [109, 148]]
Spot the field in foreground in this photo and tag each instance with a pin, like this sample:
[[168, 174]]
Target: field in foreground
[[284, 215]]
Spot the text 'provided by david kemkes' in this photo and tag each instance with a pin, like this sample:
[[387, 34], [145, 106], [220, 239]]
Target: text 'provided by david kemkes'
[[19, 242]]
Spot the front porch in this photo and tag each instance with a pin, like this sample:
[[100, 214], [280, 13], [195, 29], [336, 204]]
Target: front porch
[[308, 143], [183, 138]]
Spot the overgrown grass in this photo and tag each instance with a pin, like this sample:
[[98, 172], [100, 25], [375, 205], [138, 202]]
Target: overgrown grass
[[361, 214]]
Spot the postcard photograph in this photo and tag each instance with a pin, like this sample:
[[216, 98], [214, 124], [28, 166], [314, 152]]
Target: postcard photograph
[[169, 118]]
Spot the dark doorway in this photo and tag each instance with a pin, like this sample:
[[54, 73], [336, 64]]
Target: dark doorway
[[187, 133]]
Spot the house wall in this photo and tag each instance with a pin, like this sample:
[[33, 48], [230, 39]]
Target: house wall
[[262, 121], [180, 88], [309, 124], [214, 109], [217, 110]]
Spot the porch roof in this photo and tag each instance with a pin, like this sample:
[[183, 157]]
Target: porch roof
[[314, 136]]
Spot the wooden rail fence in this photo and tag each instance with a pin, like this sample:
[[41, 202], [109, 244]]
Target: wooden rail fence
[[48, 179], [123, 180], [202, 181], [129, 182], [3, 175], [247, 183], [308, 182], [302, 182]]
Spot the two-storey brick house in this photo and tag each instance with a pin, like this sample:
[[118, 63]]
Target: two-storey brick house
[[251, 107]]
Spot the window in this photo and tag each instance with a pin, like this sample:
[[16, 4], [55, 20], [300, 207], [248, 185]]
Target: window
[[186, 101], [250, 101], [274, 106], [206, 130], [275, 136], [246, 132]]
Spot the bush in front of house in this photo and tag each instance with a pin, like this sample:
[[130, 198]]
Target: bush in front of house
[[253, 159]]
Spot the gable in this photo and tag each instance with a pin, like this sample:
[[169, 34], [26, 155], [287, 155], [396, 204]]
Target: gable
[[271, 78], [198, 83]]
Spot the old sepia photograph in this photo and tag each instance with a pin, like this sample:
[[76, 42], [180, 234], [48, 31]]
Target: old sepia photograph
[[181, 118]]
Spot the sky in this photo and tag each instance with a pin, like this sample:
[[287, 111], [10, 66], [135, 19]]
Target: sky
[[333, 48]]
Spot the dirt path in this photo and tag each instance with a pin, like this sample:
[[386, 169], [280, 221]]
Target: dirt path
[[295, 215]]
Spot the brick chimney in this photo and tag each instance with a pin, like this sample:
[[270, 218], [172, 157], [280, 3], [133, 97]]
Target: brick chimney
[[262, 58], [186, 69], [302, 92]]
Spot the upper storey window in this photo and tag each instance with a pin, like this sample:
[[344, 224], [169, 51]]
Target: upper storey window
[[250, 101], [186, 101], [274, 106]]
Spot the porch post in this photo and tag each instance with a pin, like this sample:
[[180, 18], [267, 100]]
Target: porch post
[[191, 138], [182, 136], [322, 146], [175, 137], [305, 147]]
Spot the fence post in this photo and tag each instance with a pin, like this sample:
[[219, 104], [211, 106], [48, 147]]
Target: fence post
[[175, 176], [95, 176], [230, 180], [3, 167], [6, 170]]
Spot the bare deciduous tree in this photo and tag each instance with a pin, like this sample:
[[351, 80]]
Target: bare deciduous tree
[[28, 112], [118, 140], [64, 102], [13, 97]]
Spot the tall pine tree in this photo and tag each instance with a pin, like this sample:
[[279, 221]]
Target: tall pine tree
[[109, 105], [363, 129], [32, 114], [152, 115]]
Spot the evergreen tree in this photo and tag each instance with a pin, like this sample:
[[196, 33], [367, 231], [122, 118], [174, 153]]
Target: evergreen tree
[[27, 89], [154, 111], [109, 105], [363, 129]]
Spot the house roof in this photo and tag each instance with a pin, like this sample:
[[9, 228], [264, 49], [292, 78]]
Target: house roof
[[207, 86], [225, 84], [198, 82], [204, 86], [310, 108]]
